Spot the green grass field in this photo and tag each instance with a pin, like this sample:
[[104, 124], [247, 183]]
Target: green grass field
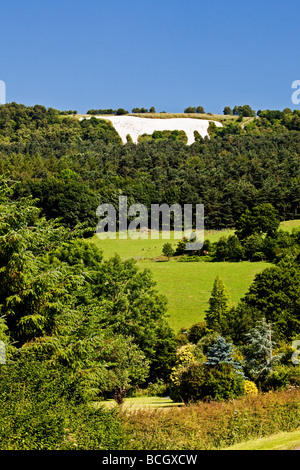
[[290, 225], [280, 441], [188, 285], [143, 402], [146, 248]]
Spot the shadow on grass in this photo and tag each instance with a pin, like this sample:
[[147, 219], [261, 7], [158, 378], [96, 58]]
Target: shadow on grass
[[144, 402]]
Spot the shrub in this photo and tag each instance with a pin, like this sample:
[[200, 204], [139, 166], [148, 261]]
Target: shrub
[[202, 382], [222, 383], [250, 388], [37, 412], [190, 385], [282, 377], [158, 389], [196, 332]]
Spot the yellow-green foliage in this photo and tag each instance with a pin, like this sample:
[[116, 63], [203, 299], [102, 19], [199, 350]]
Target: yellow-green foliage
[[250, 388], [185, 357]]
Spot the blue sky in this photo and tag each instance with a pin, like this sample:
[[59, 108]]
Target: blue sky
[[140, 53]]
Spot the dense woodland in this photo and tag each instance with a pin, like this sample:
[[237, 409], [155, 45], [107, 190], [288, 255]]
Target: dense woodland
[[72, 165], [78, 328]]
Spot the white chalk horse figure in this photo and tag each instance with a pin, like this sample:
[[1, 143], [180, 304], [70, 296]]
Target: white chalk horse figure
[[136, 126]]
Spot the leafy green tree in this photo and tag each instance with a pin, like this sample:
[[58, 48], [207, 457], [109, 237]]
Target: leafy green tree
[[244, 111], [190, 109], [63, 304], [121, 111], [196, 332], [229, 249], [227, 110], [181, 246], [275, 295], [262, 219], [168, 250], [70, 201], [240, 319], [200, 110], [235, 248], [254, 247], [130, 306], [222, 252]]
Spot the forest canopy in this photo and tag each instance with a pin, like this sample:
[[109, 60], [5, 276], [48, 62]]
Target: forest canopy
[[71, 166]]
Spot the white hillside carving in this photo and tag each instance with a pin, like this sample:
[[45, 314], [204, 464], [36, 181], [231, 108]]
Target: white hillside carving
[[136, 126]]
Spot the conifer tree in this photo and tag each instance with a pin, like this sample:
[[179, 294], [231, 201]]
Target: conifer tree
[[218, 309], [222, 352], [258, 354]]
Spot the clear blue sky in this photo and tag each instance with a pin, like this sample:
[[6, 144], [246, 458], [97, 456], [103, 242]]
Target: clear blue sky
[[72, 54]]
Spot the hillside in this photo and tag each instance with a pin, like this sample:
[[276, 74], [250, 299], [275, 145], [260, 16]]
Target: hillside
[[137, 126], [84, 323]]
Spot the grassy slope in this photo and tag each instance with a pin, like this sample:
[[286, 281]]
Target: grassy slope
[[187, 286], [280, 441]]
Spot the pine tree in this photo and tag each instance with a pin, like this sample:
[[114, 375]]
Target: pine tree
[[218, 309]]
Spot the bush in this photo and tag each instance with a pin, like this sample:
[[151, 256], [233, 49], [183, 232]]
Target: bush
[[250, 388], [37, 413], [158, 389], [222, 383], [190, 384], [201, 382], [196, 332], [282, 377]]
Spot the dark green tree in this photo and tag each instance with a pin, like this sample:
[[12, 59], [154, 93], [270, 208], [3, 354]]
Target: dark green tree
[[262, 219], [244, 111], [168, 250], [275, 294], [216, 315], [227, 110]]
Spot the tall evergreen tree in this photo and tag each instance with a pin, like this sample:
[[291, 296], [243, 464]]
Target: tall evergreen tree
[[218, 309], [258, 354]]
